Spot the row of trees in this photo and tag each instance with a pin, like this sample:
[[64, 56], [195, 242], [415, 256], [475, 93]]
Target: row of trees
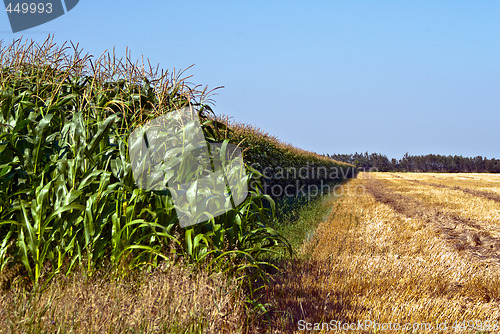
[[420, 163]]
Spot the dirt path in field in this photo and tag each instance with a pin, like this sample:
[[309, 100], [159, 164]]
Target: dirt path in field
[[463, 233]]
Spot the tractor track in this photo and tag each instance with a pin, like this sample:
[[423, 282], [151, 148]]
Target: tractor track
[[464, 234], [478, 193]]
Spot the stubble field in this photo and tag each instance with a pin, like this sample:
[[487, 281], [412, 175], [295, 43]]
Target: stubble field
[[400, 248]]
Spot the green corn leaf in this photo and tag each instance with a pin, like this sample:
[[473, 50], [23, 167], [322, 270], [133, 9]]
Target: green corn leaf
[[101, 133]]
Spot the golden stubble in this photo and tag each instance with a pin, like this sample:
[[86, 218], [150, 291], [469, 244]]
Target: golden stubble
[[388, 262]]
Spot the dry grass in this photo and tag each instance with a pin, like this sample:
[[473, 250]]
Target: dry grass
[[389, 255], [172, 300]]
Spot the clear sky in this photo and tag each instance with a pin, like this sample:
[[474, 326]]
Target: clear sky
[[327, 76]]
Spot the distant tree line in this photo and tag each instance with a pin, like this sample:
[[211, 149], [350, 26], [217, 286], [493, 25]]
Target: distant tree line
[[420, 163]]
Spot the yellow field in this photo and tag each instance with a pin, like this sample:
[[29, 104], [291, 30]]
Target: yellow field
[[401, 248]]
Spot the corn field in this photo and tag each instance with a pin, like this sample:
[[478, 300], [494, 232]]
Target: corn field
[[67, 195]]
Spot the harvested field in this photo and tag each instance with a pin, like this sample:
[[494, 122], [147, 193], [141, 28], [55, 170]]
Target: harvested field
[[400, 248]]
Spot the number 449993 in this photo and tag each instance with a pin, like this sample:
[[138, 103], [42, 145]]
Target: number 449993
[[32, 8]]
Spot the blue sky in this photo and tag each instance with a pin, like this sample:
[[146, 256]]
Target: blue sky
[[327, 76]]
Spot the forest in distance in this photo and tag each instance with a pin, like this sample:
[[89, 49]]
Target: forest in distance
[[420, 163]]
